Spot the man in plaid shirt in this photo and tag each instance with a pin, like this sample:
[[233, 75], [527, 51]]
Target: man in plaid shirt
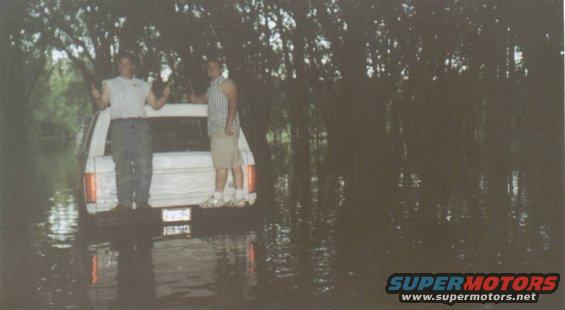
[[223, 130]]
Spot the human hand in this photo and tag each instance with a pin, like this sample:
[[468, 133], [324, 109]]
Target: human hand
[[95, 92], [167, 91], [229, 130]]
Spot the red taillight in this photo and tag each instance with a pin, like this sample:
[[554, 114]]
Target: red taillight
[[251, 178], [94, 270], [251, 253], [90, 187]]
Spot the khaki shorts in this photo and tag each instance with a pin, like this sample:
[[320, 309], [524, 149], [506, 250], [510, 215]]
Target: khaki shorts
[[225, 153]]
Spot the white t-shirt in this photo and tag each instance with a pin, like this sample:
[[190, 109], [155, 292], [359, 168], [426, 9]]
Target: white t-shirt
[[127, 97]]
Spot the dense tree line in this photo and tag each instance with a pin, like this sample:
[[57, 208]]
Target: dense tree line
[[460, 93]]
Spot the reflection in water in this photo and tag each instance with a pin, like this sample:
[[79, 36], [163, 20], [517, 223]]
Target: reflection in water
[[336, 251], [134, 277], [62, 219], [142, 267]]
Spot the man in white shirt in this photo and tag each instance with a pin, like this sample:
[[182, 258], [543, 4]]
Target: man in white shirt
[[130, 133]]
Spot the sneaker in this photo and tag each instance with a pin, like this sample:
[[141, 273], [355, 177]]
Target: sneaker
[[212, 203], [237, 203]]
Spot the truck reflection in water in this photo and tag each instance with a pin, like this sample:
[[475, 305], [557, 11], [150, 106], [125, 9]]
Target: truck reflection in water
[[170, 266]]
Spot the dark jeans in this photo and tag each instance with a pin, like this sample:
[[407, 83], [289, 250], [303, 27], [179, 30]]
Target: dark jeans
[[133, 156]]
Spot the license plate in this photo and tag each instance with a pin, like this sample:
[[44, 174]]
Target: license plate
[[176, 215], [174, 230]]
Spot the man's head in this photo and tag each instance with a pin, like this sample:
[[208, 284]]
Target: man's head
[[214, 68], [126, 65]]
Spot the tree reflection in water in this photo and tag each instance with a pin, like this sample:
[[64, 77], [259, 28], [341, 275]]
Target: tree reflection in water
[[336, 249]]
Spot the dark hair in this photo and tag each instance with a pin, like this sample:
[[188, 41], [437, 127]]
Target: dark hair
[[216, 60], [127, 55]]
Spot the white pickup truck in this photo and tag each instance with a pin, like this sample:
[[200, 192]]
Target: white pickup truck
[[183, 174]]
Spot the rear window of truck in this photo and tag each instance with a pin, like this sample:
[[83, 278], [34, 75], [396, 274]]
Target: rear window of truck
[[174, 134]]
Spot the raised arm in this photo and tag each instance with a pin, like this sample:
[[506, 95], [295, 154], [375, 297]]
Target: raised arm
[[229, 89], [158, 103], [102, 100]]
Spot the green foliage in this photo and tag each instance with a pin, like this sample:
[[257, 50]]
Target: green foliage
[[60, 104]]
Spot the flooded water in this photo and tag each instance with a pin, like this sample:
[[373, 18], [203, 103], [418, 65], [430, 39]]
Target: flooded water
[[335, 252]]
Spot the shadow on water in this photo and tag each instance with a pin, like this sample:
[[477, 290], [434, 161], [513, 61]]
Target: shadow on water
[[335, 251]]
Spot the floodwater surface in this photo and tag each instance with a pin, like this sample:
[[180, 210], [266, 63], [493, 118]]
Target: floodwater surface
[[332, 252]]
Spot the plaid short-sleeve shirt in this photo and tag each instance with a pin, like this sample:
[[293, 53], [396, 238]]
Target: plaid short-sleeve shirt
[[218, 108]]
